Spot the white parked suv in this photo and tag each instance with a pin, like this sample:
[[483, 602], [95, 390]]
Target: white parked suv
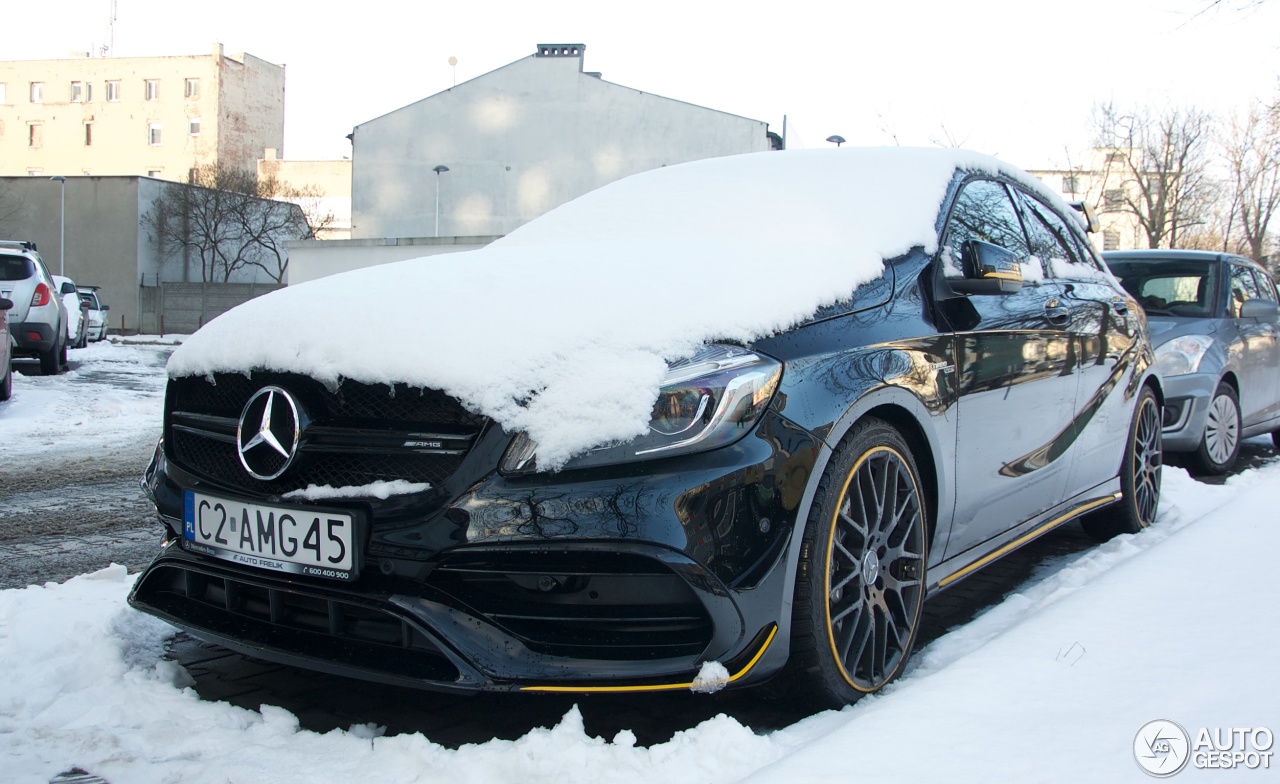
[[38, 318], [96, 312]]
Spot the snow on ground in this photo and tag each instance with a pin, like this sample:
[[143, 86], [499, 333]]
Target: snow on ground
[[112, 397], [1052, 684]]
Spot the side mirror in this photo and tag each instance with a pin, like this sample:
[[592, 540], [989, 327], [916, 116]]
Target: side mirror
[[105, 307], [5, 304], [1260, 309], [68, 288], [988, 269], [1091, 221]]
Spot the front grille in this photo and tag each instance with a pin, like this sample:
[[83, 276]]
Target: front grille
[[580, 604], [309, 626], [356, 433]]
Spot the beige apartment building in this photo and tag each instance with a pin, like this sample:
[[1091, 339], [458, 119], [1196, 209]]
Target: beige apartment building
[[152, 116]]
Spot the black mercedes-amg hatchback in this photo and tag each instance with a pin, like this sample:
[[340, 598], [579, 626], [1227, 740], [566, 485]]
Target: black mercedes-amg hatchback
[[707, 426]]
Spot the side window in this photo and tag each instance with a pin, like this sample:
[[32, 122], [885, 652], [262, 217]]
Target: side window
[[1050, 240], [983, 211], [1266, 286], [1243, 288]]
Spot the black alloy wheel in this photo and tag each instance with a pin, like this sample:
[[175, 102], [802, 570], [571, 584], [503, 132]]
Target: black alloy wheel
[[1220, 444], [860, 583], [1140, 475]]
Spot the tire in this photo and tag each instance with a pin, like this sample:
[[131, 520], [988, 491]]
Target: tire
[[1140, 475], [860, 581], [1275, 438], [1220, 444], [6, 384], [55, 359]]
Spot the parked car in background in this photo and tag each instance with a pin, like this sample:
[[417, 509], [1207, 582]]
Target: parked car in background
[[6, 350], [1213, 320], [96, 313], [38, 319], [703, 426], [77, 320]]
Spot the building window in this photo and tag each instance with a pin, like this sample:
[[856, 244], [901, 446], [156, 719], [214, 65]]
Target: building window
[[113, 90], [1110, 240], [193, 126], [37, 92], [154, 133], [88, 134], [192, 89], [35, 135], [1113, 198], [1071, 185], [153, 173], [77, 92], [34, 172], [152, 91]]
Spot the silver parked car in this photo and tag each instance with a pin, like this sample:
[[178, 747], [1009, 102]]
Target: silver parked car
[[1213, 320], [38, 318], [96, 312], [77, 319]]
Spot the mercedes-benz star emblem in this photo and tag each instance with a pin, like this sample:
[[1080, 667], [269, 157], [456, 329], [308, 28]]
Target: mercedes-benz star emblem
[[267, 436]]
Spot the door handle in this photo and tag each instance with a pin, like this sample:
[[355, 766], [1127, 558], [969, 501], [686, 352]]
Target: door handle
[[1057, 314], [1121, 306]]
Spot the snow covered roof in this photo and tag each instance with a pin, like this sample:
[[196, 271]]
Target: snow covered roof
[[564, 328]]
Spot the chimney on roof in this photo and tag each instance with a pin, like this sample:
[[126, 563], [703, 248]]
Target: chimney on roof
[[562, 50]]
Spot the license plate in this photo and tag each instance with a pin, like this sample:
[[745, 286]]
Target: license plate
[[312, 542]]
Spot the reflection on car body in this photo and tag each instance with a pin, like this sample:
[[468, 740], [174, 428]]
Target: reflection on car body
[[796, 499]]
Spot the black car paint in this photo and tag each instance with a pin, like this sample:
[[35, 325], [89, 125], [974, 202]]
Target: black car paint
[[983, 370]]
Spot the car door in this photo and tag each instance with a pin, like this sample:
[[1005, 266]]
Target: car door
[[1260, 381], [1015, 387], [1104, 327]]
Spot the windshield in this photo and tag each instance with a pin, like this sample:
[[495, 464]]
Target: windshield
[[1170, 288]]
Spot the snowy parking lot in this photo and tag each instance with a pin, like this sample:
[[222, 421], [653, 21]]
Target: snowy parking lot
[[1052, 683]]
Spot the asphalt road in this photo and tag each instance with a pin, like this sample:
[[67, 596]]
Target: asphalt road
[[71, 517]]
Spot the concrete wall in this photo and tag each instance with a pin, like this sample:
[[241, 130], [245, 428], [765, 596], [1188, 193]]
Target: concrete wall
[[519, 141], [312, 259], [330, 179]]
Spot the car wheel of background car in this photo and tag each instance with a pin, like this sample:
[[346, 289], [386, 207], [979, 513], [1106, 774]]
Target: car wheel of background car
[[6, 384], [1220, 444], [860, 580], [1139, 476], [55, 359]]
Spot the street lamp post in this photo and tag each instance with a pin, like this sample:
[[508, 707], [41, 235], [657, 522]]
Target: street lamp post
[[438, 170], [836, 140], [62, 223]]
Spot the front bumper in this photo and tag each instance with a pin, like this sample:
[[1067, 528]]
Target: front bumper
[[1186, 409], [605, 580]]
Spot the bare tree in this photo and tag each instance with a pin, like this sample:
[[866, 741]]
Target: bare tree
[[223, 219], [1251, 148], [1157, 169], [10, 208]]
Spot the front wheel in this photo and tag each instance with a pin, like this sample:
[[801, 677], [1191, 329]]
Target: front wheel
[[1220, 444], [860, 582], [1140, 475]]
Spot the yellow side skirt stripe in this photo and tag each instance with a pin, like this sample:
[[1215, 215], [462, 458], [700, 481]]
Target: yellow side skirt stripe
[[1027, 537], [657, 686]]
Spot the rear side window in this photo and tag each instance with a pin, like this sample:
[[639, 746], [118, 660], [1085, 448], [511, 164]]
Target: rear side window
[[16, 267]]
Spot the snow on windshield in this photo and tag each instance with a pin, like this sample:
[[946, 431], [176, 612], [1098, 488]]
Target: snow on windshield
[[564, 328]]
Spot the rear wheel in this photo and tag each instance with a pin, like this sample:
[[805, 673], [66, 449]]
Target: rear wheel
[[860, 582], [53, 360], [1220, 444], [1139, 476]]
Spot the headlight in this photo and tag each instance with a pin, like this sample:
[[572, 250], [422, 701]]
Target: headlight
[[707, 401], [1182, 355]]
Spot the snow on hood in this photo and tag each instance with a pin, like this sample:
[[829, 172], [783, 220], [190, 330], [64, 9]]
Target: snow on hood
[[564, 328]]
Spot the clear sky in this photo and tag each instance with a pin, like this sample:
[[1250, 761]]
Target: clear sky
[[1015, 78]]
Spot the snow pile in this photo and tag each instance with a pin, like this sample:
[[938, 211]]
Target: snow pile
[[564, 328], [711, 678], [383, 489], [1050, 685]]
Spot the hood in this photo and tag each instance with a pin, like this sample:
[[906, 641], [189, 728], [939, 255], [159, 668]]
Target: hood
[[564, 328]]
